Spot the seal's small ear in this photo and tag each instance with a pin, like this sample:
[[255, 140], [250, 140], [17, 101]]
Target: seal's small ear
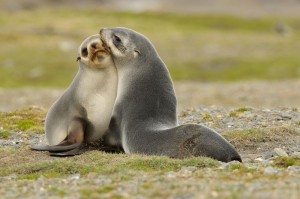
[[136, 53]]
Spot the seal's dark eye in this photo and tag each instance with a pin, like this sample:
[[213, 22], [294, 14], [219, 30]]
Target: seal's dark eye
[[117, 39]]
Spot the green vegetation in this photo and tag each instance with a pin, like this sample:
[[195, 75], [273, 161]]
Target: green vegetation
[[286, 161], [252, 137], [95, 162], [197, 47], [239, 111], [4, 134], [96, 174], [248, 135], [207, 117], [27, 120]]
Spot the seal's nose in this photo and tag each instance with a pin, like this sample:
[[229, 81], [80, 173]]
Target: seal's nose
[[84, 52]]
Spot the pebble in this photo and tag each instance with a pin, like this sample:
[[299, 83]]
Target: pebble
[[75, 177], [171, 175], [270, 170], [259, 159], [187, 172], [295, 169], [101, 181], [296, 153], [280, 152]]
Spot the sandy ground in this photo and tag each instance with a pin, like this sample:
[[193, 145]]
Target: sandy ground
[[258, 94]]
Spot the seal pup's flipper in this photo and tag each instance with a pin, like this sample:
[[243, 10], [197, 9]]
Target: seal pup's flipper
[[183, 141], [54, 148], [206, 142], [73, 152], [73, 140]]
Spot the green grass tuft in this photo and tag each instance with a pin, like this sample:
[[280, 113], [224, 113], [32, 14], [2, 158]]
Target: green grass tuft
[[252, 135], [239, 111], [100, 163], [207, 117], [4, 134], [286, 161]]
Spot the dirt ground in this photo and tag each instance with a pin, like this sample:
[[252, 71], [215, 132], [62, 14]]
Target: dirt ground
[[258, 94]]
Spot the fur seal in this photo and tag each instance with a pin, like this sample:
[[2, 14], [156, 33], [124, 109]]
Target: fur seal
[[144, 118], [83, 112]]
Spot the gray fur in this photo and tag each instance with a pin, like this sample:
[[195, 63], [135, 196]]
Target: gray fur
[[144, 118]]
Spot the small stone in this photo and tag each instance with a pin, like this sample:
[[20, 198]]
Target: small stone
[[259, 159], [101, 181], [171, 175], [270, 170], [280, 152], [286, 117], [296, 153], [187, 172], [295, 169], [75, 177]]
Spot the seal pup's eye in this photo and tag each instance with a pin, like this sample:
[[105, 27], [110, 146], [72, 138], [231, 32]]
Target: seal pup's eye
[[117, 39]]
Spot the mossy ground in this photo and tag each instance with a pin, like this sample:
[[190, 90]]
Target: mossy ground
[[26, 120], [96, 174]]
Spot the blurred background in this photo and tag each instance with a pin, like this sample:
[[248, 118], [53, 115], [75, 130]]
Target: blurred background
[[222, 52]]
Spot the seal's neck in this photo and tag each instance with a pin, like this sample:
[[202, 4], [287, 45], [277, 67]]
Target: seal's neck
[[88, 78]]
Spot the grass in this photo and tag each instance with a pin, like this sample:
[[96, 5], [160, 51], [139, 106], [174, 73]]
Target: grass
[[96, 174], [94, 162], [239, 111], [26, 120], [194, 47], [252, 137], [286, 161], [4, 134]]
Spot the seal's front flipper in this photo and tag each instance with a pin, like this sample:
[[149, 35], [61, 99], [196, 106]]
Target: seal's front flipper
[[73, 140]]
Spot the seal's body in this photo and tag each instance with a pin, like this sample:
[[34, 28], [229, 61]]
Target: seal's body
[[144, 117], [84, 111]]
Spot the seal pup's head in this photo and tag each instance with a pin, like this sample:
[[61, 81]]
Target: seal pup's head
[[127, 46], [91, 53]]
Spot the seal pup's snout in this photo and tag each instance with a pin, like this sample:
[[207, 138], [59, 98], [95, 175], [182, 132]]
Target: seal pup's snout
[[92, 53]]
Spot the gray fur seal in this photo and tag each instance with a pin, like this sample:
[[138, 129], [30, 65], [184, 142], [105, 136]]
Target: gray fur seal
[[83, 112], [144, 118]]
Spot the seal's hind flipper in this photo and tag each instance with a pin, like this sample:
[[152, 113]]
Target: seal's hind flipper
[[73, 152], [73, 140], [55, 148], [40, 147]]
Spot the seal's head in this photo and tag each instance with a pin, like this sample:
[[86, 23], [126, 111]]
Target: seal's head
[[126, 46], [92, 53]]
